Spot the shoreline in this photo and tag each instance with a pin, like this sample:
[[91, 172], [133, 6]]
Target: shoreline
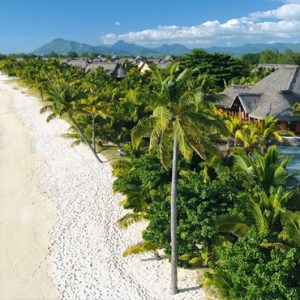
[[26, 216], [86, 244]]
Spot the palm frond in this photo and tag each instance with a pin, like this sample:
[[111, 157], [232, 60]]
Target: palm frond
[[121, 166], [184, 148], [131, 218], [233, 225], [51, 117], [291, 221], [164, 148], [280, 246], [140, 248], [141, 130]]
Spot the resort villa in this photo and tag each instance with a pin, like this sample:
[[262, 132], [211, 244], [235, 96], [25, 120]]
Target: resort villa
[[273, 96], [114, 66]]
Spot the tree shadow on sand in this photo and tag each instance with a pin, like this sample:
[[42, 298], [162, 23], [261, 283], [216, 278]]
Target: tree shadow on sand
[[161, 257], [190, 289]]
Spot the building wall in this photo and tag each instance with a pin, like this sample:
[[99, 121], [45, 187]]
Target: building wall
[[292, 126], [298, 126], [283, 125]]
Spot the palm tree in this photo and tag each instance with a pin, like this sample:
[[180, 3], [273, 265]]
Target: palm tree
[[271, 131], [40, 83], [180, 118], [233, 125], [265, 170], [63, 101], [249, 136], [291, 227], [264, 204], [93, 106], [263, 211]]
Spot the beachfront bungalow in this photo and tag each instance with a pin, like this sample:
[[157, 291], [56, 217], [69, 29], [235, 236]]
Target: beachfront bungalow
[[273, 96], [115, 68]]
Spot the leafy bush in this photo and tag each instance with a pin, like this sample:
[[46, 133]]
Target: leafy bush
[[144, 175], [199, 202], [247, 270]]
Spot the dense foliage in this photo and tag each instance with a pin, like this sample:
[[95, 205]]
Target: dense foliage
[[220, 68], [237, 207], [200, 200], [272, 57], [248, 270]]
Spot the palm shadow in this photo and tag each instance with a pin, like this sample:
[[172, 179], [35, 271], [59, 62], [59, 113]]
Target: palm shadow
[[161, 257], [190, 289]]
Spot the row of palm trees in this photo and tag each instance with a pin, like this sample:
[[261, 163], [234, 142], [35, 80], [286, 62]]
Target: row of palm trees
[[169, 113]]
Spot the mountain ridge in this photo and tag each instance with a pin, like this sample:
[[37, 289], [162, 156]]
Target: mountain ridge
[[62, 46], [254, 48]]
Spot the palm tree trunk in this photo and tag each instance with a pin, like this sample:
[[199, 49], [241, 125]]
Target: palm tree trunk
[[94, 142], [42, 94], [174, 288], [85, 140]]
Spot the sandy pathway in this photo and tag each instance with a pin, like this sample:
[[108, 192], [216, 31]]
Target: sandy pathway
[[86, 245]]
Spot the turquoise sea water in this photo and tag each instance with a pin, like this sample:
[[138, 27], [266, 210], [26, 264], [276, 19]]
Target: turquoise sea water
[[294, 152]]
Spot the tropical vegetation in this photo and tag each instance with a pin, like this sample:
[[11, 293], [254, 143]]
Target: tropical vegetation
[[213, 192]]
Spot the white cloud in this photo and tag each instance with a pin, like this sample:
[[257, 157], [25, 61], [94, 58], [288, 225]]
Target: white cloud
[[286, 11], [117, 23], [281, 24], [291, 1]]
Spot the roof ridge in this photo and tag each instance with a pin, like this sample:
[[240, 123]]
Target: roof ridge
[[293, 79]]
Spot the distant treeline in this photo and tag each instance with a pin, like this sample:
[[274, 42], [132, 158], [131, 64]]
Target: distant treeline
[[70, 54], [272, 57], [250, 59]]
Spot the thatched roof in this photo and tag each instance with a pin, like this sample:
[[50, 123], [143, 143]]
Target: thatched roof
[[167, 59], [119, 72], [115, 58], [274, 96], [140, 59], [274, 66]]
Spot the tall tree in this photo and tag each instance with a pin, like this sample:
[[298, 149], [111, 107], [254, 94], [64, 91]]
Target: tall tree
[[222, 68], [95, 107], [180, 122], [63, 101]]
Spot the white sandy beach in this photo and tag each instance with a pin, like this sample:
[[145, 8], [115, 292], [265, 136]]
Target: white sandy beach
[[59, 237]]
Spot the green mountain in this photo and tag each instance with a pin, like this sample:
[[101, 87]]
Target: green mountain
[[175, 49], [62, 46], [127, 48]]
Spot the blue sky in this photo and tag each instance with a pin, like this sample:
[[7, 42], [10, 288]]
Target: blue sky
[[27, 24]]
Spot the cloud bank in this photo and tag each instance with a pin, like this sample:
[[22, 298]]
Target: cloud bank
[[281, 24]]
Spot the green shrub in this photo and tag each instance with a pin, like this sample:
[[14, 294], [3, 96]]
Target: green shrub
[[199, 202], [247, 270]]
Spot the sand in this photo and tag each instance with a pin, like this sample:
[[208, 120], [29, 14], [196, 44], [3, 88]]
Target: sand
[[82, 252], [25, 216]]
